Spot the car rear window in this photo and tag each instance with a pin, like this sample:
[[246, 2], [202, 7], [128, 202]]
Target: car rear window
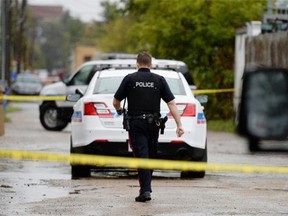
[[109, 85]]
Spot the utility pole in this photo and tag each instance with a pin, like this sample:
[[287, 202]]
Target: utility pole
[[21, 21], [6, 14], [8, 40], [3, 63], [3, 40]]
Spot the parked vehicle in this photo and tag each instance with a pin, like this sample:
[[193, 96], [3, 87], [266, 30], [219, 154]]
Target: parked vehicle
[[263, 113], [55, 115], [27, 84], [96, 128]]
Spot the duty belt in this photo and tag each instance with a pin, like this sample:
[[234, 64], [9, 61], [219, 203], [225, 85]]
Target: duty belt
[[144, 116], [160, 122]]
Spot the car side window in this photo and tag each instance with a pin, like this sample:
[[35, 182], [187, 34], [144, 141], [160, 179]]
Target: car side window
[[82, 76], [176, 86]]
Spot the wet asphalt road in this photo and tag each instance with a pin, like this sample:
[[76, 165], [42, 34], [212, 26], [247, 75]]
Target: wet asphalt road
[[45, 188]]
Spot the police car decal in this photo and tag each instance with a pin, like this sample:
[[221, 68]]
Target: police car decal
[[201, 118], [77, 116], [116, 115]]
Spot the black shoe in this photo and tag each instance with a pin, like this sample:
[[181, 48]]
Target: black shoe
[[143, 197]]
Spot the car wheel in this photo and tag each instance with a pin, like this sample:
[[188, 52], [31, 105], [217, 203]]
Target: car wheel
[[49, 118], [253, 144], [199, 155], [78, 171]]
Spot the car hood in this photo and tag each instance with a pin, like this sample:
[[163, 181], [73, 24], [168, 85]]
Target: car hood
[[58, 88]]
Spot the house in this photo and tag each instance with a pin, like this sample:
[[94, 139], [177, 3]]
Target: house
[[81, 54]]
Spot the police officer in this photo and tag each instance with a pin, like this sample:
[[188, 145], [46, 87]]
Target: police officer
[[144, 91]]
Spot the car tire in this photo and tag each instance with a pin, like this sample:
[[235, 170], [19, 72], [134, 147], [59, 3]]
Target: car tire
[[49, 118], [253, 144], [199, 155], [78, 171]]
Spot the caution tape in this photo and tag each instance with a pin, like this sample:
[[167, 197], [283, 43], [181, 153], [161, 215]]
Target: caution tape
[[63, 97], [32, 98], [134, 163], [212, 91]]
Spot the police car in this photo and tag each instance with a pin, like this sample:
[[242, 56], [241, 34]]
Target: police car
[[96, 128]]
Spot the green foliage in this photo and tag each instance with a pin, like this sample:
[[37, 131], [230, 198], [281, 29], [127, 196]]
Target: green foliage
[[118, 34], [112, 11], [10, 109], [199, 32], [73, 28], [53, 48], [227, 125]]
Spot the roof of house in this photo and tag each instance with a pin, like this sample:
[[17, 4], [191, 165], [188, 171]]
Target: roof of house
[[47, 12]]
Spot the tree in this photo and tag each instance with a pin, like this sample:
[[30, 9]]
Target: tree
[[14, 49], [198, 32], [112, 11], [54, 41]]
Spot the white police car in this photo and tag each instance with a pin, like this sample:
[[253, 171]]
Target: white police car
[[55, 115], [96, 128]]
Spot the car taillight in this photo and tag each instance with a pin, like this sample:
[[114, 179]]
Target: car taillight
[[89, 109], [186, 109], [97, 108], [177, 141], [101, 140], [190, 110]]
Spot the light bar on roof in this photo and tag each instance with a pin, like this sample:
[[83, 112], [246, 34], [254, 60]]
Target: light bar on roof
[[155, 65]]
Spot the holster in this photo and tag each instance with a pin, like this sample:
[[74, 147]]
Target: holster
[[126, 119], [162, 124]]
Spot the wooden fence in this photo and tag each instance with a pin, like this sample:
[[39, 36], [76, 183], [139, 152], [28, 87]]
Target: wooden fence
[[270, 50]]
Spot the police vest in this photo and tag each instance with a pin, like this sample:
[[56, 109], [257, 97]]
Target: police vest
[[145, 92]]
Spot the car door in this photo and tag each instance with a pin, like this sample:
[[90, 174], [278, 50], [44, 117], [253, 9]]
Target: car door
[[80, 81]]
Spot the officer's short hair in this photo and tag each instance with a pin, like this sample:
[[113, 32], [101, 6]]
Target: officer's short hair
[[144, 58]]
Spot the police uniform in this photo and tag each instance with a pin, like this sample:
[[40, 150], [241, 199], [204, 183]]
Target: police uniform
[[144, 91]]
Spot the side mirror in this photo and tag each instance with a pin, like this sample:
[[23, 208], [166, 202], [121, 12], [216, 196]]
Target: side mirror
[[203, 99], [73, 97], [192, 87], [78, 91], [263, 111]]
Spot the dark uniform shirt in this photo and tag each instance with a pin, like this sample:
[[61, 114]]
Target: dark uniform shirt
[[144, 91]]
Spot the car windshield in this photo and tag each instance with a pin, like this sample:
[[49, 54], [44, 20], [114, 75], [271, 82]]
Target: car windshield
[[28, 79], [109, 85]]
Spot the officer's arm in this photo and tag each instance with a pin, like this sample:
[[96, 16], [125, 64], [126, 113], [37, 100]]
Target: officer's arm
[[174, 111], [117, 106]]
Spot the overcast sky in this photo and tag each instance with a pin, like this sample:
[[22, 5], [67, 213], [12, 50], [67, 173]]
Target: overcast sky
[[86, 10], [89, 10]]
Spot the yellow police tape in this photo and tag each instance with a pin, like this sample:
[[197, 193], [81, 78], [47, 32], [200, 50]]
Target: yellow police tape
[[32, 98], [63, 97], [134, 163], [212, 91]]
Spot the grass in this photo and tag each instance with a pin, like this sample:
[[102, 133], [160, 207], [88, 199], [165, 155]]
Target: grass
[[10, 109], [221, 125]]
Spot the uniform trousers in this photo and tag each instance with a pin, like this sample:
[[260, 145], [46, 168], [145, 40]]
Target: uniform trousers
[[144, 142]]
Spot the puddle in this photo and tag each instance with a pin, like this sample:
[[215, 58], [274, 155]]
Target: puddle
[[28, 181], [31, 187]]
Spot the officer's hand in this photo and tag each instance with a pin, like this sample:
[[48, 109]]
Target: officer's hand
[[119, 111], [180, 131]]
